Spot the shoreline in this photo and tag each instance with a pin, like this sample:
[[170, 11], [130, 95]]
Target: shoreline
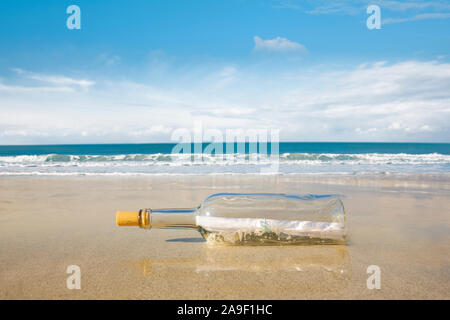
[[381, 175]]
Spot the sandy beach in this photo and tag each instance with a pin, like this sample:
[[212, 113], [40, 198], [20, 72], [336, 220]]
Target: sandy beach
[[399, 223]]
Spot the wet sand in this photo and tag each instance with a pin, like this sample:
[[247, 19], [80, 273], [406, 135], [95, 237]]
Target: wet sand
[[399, 223]]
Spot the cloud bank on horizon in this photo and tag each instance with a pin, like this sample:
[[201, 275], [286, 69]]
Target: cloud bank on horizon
[[336, 82]]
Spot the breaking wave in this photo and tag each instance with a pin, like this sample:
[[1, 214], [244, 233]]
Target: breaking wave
[[160, 163]]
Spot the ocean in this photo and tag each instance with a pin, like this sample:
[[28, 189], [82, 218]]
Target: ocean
[[292, 158]]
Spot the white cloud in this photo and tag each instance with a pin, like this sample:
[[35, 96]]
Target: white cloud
[[411, 5], [225, 76], [375, 101], [418, 17], [278, 44], [232, 112], [398, 126], [426, 128], [152, 130], [55, 80], [401, 101], [357, 6], [109, 60], [62, 81], [40, 89]]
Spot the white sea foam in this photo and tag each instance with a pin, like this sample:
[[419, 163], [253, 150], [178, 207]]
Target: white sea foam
[[136, 164], [207, 159]]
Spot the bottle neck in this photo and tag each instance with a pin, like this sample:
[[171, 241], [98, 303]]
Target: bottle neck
[[168, 218]]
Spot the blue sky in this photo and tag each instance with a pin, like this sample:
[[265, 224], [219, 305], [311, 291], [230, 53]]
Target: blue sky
[[137, 70]]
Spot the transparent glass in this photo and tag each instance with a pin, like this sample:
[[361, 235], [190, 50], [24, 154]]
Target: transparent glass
[[263, 218], [253, 218]]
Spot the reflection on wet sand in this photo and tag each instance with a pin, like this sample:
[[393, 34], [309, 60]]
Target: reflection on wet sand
[[316, 267]]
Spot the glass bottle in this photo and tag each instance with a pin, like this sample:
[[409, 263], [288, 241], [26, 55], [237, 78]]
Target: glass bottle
[[253, 218]]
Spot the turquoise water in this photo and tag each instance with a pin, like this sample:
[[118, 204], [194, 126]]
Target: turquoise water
[[284, 147], [292, 158]]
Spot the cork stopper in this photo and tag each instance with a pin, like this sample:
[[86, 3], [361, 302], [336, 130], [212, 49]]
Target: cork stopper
[[127, 218]]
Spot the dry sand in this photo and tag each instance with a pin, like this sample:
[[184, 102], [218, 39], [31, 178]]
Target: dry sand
[[399, 223]]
